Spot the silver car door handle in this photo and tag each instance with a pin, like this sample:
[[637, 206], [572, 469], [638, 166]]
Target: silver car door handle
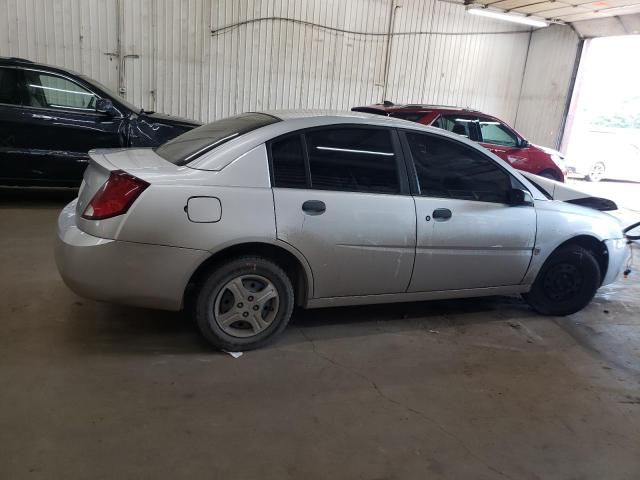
[[441, 214], [42, 117], [314, 207]]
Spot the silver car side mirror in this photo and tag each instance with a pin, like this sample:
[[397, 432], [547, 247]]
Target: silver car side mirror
[[518, 197]]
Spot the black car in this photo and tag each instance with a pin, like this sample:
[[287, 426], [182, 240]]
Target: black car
[[51, 117]]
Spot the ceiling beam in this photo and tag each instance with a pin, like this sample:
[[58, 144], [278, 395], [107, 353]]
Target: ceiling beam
[[565, 5]]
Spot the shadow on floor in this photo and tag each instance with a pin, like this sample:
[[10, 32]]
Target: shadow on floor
[[36, 197], [103, 328]]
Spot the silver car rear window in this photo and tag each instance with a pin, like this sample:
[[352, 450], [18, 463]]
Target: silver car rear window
[[189, 146]]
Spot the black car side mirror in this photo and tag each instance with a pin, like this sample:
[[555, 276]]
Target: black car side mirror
[[104, 105], [519, 198], [524, 143]]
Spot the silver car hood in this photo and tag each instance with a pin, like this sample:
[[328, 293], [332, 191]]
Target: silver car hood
[[561, 191]]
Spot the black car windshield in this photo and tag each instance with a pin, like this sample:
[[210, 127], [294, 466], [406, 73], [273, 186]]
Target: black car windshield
[[188, 146], [111, 93]]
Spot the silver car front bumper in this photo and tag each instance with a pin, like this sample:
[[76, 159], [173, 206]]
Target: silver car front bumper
[[123, 272], [619, 253]]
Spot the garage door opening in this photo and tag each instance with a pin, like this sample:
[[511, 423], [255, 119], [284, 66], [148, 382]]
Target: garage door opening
[[602, 137]]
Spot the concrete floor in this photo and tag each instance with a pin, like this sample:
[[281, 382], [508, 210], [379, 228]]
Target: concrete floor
[[474, 389]]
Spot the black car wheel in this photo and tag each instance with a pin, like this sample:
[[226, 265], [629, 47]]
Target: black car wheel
[[566, 282], [244, 304]]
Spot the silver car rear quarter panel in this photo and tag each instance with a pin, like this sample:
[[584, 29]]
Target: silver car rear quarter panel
[[161, 219], [123, 272], [246, 201]]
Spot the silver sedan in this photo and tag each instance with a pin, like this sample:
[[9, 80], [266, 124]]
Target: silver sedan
[[244, 218]]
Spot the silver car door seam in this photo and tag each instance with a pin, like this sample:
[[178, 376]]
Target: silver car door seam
[[415, 245], [535, 243]]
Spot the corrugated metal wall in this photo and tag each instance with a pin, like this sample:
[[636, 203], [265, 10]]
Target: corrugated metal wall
[[76, 34], [478, 69], [546, 84], [173, 63]]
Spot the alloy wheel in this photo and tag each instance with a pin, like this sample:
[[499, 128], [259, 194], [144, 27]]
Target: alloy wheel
[[597, 172], [246, 305]]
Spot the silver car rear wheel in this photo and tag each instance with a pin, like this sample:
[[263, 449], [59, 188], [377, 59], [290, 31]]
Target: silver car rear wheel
[[246, 305]]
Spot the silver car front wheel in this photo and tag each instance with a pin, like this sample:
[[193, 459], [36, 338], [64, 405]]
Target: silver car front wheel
[[244, 303]]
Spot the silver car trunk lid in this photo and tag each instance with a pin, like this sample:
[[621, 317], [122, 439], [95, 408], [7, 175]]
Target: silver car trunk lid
[[143, 163]]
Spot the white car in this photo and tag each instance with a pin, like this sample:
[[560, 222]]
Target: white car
[[243, 218], [605, 155]]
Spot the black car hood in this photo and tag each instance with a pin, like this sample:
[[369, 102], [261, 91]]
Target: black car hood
[[169, 119]]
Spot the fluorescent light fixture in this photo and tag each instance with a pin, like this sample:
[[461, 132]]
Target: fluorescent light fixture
[[507, 17]]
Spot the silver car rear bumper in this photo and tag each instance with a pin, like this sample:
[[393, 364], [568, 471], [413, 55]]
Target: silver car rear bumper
[[129, 273]]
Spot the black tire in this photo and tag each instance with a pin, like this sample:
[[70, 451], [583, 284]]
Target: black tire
[[566, 283], [218, 278]]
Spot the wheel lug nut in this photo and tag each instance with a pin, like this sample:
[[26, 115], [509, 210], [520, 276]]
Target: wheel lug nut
[[240, 305], [250, 298], [245, 314], [256, 307]]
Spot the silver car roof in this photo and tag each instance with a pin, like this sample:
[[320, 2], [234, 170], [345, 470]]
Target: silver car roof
[[293, 120]]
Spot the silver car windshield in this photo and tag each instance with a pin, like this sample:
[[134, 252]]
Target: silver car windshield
[[189, 146]]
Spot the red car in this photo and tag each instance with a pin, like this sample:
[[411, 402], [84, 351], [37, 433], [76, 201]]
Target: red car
[[490, 132]]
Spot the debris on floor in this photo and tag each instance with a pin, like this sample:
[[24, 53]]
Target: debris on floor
[[234, 354]]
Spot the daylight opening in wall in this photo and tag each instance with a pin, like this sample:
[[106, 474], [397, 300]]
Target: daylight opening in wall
[[602, 136]]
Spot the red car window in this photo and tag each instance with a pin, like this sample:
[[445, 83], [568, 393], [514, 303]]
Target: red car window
[[464, 125], [411, 116], [496, 133]]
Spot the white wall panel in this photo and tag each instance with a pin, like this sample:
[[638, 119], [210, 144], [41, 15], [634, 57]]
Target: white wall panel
[[172, 62], [287, 65], [546, 84], [465, 60], [75, 34]]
